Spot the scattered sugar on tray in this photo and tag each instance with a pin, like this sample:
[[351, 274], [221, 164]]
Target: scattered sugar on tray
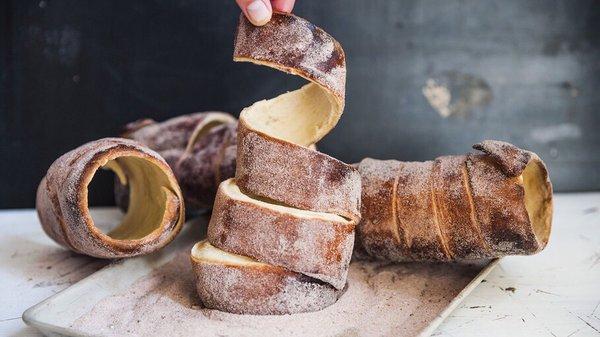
[[382, 299]]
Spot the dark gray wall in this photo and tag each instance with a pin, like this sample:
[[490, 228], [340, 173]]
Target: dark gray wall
[[425, 78]]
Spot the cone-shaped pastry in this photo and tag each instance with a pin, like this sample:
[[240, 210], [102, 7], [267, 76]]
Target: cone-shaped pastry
[[474, 206], [242, 285], [290, 207], [156, 209]]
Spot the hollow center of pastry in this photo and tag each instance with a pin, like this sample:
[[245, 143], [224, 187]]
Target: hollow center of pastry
[[205, 252], [230, 188], [537, 201], [151, 197], [301, 116]]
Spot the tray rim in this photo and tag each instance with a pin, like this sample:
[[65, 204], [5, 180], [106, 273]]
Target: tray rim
[[431, 327], [30, 316]]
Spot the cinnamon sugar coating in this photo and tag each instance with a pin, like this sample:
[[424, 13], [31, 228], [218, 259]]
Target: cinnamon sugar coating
[[296, 176], [199, 163], [294, 209], [307, 242], [265, 290], [456, 207], [62, 201]]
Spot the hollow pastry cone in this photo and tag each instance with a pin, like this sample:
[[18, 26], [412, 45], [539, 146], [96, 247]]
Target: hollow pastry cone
[[199, 147], [290, 210], [242, 285], [480, 205], [316, 244], [156, 208]]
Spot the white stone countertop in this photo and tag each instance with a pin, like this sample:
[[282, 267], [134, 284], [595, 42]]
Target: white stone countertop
[[554, 293]]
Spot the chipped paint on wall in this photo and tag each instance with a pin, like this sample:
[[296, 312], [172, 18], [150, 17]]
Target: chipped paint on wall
[[456, 94], [438, 97]]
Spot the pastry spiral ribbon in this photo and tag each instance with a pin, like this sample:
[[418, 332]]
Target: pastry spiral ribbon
[[274, 160], [290, 205]]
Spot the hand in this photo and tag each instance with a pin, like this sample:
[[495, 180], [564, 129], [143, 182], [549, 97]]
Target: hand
[[259, 11]]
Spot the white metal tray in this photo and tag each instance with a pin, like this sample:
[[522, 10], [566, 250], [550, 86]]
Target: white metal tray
[[154, 295]]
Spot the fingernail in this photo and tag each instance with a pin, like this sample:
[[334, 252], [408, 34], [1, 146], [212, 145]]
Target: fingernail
[[258, 13]]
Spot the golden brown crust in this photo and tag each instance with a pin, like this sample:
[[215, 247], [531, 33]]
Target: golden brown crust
[[510, 159], [171, 134], [63, 209], [296, 46], [270, 167], [416, 212], [295, 175], [457, 207], [210, 161], [309, 243], [132, 127], [277, 169], [49, 214], [378, 231], [498, 183], [283, 177], [499, 208], [259, 290], [454, 209]]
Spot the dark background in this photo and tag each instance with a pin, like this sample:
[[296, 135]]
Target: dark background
[[527, 72]]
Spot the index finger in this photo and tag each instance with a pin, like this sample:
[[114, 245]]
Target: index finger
[[285, 6]]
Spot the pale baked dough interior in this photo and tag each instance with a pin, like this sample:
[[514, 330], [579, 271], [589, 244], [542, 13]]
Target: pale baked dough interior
[[230, 188], [205, 252], [537, 200], [151, 197], [301, 116], [212, 120]]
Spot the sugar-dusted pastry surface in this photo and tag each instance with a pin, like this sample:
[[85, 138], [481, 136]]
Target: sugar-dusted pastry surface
[[290, 207], [382, 299], [156, 212], [459, 207]]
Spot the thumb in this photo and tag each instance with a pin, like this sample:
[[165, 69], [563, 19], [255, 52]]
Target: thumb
[[257, 11]]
